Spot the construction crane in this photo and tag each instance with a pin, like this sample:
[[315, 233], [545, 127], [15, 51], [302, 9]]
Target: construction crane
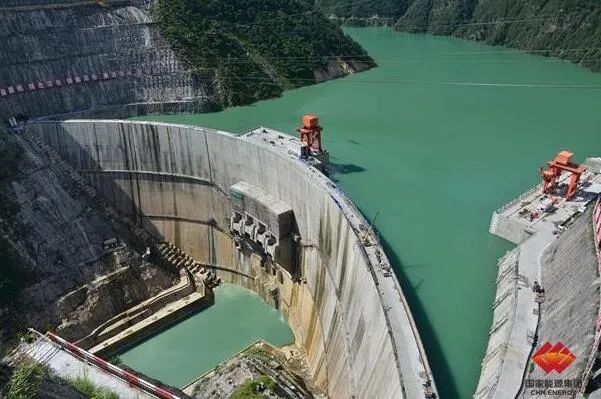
[[310, 133], [562, 163]]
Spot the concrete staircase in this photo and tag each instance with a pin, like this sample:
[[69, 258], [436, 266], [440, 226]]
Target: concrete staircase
[[179, 259]]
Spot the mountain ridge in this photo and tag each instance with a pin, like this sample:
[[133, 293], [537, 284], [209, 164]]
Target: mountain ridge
[[568, 29]]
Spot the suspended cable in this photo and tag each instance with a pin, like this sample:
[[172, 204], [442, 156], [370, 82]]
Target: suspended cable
[[424, 82]]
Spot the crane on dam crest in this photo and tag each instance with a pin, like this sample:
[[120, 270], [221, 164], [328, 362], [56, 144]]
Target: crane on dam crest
[[562, 163]]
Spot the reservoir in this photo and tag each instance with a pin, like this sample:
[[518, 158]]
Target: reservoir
[[433, 140]]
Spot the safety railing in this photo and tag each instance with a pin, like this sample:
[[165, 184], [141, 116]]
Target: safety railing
[[520, 198], [55, 83], [126, 376]]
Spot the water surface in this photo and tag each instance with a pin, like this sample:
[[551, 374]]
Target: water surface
[[180, 354], [435, 159]]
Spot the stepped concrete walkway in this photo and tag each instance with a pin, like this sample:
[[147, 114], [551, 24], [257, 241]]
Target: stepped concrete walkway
[[170, 313]]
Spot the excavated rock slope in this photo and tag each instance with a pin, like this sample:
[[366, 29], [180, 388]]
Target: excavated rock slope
[[57, 239], [69, 56]]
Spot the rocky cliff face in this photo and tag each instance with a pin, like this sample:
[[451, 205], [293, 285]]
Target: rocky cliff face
[[60, 58], [57, 240]]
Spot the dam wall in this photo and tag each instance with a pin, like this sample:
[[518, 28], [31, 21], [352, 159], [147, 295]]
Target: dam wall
[[569, 306], [547, 291], [75, 56], [346, 309]]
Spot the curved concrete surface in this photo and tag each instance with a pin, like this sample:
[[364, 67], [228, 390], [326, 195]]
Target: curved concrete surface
[[333, 282]]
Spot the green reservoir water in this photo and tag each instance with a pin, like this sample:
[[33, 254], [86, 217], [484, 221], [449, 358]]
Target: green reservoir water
[[180, 354], [434, 160]]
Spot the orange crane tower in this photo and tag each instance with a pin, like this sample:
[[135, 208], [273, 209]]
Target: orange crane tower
[[310, 133], [562, 163]]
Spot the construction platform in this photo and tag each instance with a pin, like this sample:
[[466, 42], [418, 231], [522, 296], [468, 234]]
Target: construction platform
[[533, 211]]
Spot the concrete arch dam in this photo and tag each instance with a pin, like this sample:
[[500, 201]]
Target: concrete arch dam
[[272, 223]]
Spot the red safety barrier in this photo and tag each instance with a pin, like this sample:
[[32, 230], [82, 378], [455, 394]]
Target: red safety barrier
[[70, 80], [130, 378]]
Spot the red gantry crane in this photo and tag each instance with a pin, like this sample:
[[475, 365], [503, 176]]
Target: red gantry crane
[[310, 133], [562, 163]]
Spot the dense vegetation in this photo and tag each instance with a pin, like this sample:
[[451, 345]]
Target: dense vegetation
[[90, 390], [568, 29], [254, 388], [363, 8], [29, 380], [252, 49], [24, 381]]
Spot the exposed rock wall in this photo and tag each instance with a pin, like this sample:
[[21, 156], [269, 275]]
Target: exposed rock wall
[[67, 59], [57, 238], [348, 315]]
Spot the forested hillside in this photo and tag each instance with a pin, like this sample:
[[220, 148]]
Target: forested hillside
[[568, 29], [256, 48]]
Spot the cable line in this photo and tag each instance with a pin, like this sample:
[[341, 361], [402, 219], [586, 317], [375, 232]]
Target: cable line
[[422, 82], [465, 23]]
